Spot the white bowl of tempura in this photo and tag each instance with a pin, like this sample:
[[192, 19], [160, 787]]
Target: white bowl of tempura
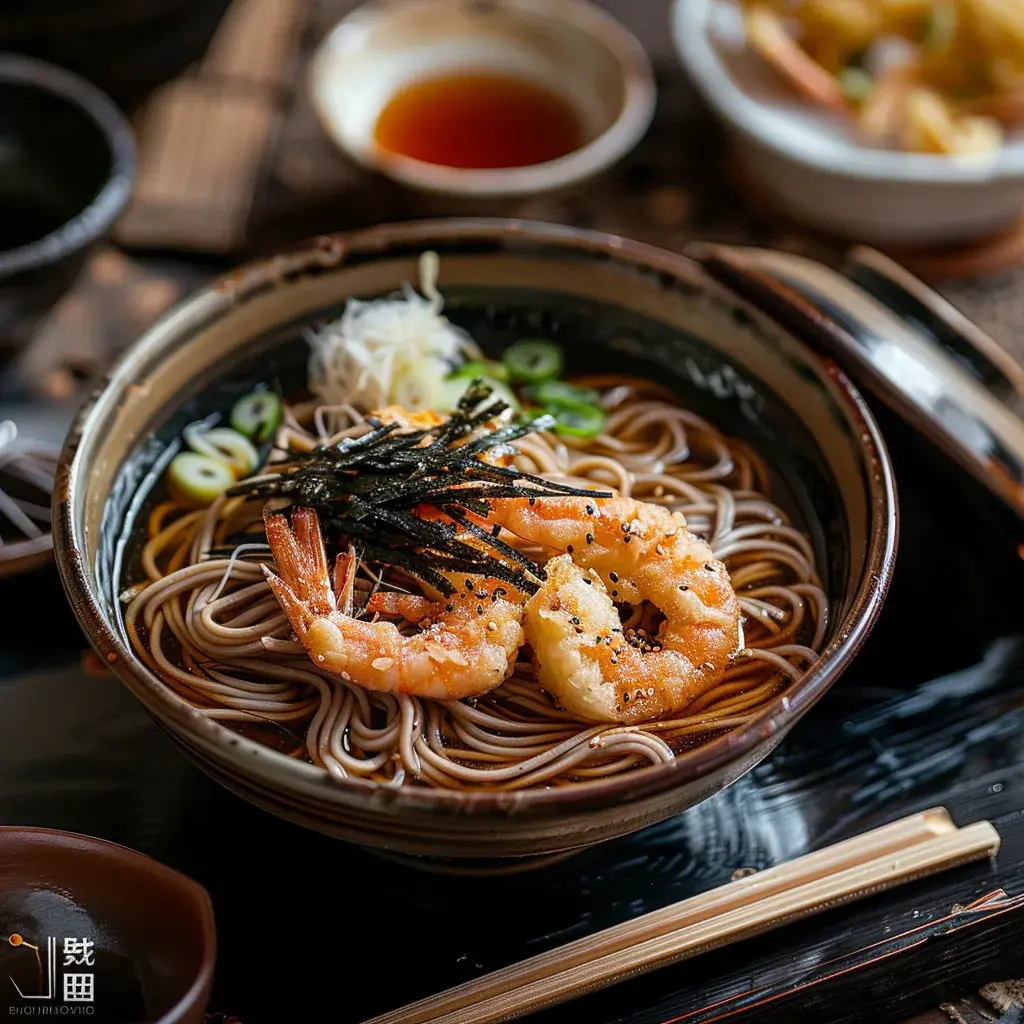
[[898, 123]]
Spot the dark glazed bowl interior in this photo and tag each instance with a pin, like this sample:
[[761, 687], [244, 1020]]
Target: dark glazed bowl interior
[[614, 305], [125, 47], [66, 168], [152, 929]]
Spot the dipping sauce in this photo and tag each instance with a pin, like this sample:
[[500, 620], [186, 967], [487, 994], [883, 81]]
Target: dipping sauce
[[479, 121]]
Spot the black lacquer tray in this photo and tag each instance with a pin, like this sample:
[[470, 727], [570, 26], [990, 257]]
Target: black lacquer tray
[[930, 714]]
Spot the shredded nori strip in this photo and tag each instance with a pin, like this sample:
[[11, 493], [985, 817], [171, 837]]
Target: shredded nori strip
[[369, 490]]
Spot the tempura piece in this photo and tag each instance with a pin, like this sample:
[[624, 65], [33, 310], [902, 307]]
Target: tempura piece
[[956, 88], [769, 37]]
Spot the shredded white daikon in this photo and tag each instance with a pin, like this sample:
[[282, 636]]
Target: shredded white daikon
[[398, 349]]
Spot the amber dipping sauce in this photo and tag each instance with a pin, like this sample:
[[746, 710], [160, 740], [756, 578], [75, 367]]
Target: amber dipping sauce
[[479, 121]]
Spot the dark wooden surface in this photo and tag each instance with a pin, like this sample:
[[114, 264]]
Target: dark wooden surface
[[932, 714]]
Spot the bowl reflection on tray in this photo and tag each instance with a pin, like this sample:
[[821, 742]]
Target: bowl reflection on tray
[[614, 302]]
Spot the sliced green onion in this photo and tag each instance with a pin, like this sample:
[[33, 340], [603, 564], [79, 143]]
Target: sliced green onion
[[533, 360], [857, 84], [225, 444], [257, 415], [578, 421], [486, 368], [198, 479], [554, 392]]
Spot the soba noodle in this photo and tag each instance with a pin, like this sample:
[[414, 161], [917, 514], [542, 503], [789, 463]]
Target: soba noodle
[[212, 630]]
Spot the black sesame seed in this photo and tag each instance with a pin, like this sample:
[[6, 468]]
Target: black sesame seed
[[449, 607], [479, 609], [590, 538], [614, 577], [533, 501], [590, 510], [625, 527], [627, 538], [469, 584], [615, 593], [709, 567], [589, 583], [568, 548], [625, 698], [683, 586], [575, 620]]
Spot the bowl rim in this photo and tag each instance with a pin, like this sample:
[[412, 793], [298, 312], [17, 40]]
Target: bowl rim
[[286, 774], [94, 220], [93, 846], [689, 28], [639, 100]]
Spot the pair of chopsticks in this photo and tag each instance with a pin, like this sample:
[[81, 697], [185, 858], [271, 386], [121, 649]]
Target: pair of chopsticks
[[900, 852]]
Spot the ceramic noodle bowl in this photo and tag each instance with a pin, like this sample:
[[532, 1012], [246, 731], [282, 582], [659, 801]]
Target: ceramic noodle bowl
[[615, 306]]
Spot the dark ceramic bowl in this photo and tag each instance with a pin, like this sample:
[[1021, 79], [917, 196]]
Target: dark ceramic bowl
[[67, 161], [151, 930], [613, 303], [124, 47]]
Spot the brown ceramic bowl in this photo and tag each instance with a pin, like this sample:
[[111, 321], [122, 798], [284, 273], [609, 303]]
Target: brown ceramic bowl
[[152, 929], [631, 304]]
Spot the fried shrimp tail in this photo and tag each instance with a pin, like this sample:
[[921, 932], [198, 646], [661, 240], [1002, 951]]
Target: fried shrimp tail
[[466, 645]]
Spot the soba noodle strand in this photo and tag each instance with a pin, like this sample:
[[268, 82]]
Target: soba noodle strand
[[210, 627]]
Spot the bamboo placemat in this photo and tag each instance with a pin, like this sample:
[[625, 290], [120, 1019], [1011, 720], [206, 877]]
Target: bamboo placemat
[[205, 139]]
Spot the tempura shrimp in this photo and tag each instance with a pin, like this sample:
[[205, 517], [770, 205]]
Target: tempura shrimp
[[406, 419], [620, 550], [466, 646], [426, 420]]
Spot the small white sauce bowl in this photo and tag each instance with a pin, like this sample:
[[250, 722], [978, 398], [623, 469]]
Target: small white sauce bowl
[[816, 167], [571, 47]]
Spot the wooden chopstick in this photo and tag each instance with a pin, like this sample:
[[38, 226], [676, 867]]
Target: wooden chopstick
[[902, 851], [897, 835]]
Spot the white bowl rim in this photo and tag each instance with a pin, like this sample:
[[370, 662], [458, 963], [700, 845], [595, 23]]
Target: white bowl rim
[[639, 100], [720, 91]]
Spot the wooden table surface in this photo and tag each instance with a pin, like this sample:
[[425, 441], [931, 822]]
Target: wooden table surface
[[674, 188]]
